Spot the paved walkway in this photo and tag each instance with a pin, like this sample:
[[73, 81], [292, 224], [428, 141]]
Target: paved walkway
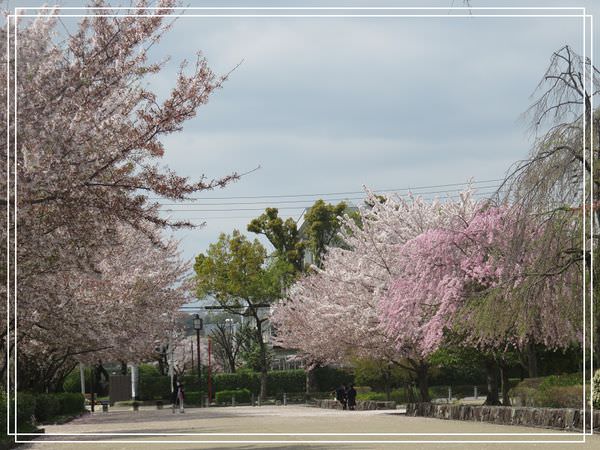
[[206, 426]]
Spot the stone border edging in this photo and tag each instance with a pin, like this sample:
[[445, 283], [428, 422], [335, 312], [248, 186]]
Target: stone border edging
[[566, 419], [361, 405]]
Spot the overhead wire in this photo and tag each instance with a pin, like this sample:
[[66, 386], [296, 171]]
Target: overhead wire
[[407, 189], [268, 202], [476, 194]]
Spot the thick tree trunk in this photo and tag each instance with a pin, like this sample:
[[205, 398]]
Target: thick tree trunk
[[532, 360], [422, 372], [504, 383], [491, 370], [311, 379], [387, 381]]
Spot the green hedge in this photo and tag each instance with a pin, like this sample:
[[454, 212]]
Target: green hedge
[[193, 398], [596, 380], [70, 403], [25, 409], [555, 391], [46, 406], [40, 408], [282, 381], [154, 388], [399, 396], [241, 396], [570, 379], [278, 382], [240, 380]]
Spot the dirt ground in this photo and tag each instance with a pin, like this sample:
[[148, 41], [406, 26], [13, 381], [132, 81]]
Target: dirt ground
[[279, 427]]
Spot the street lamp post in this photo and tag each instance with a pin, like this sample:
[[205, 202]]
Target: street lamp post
[[198, 328]]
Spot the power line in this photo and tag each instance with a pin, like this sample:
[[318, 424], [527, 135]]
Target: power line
[[304, 200], [339, 193], [476, 194]]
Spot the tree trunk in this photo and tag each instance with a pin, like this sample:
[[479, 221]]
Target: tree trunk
[[422, 375], [386, 378], [311, 379], [504, 383], [263, 360], [532, 360], [123, 368], [231, 364], [491, 370]]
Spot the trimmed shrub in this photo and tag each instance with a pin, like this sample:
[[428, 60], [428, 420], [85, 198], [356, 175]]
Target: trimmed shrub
[[570, 379], [70, 403], [46, 407], [555, 391], [375, 396], [241, 396], [148, 370], [193, 398], [191, 382], [25, 410], [561, 397], [3, 413], [282, 381], [399, 396], [596, 381], [155, 388], [278, 382]]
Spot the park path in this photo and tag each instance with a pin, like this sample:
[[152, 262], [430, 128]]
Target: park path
[[291, 420]]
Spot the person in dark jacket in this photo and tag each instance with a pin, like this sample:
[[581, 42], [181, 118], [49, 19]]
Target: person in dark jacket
[[180, 397], [351, 397], [340, 396]]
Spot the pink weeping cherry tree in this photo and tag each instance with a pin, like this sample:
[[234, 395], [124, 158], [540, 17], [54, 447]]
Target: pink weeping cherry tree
[[477, 278]]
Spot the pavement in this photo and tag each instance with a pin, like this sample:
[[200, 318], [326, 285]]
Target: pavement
[[280, 427]]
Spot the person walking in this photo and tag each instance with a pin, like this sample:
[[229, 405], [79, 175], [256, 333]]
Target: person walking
[[351, 397], [180, 397], [340, 396]]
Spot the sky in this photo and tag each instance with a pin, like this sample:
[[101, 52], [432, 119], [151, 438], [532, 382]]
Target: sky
[[329, 105]]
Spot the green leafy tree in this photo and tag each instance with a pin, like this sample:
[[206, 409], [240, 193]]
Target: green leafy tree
[[236, 272], [322, 224], [283, 235]]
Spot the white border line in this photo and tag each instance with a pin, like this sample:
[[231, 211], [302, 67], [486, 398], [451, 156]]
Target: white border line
[[583, 37], [556, 433], [8, 252], [15, 353], [318, 8], [299, 442], [592, 223], [584, 15], [282, 16]]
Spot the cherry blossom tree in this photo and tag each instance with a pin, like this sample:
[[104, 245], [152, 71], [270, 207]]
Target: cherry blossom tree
[[332, 313], [86, 162], [122, 311], [476, 279]]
